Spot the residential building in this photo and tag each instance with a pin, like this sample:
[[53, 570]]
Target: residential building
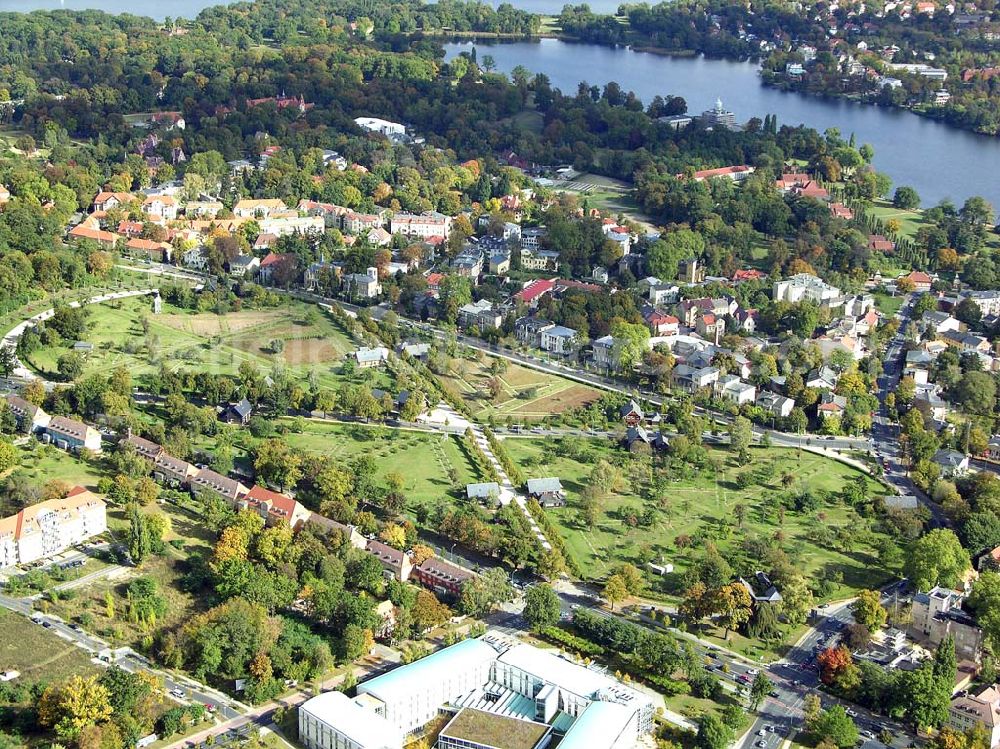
[[775, 404], [423, 226], [160, 208], [105, 239], [173, 471], [208, 481], [660, 323], [362, 285], [691, 379], [357, 223], [367, 358], [631, 414], [531, 238], [333, 720], [243, 266], [951, 462], [237, 413], [761, 589], [203, 208], [274, 507], [30, 418], [732, 388], [396, 564], [558, 339], [105, 201], [539, 259], [528, 330], [487, 492], [45, 529], [283, 226], [604, 352], [804, 287], [480, 315], [147, 249], [548, 492], [663, 293], [259, 208], [690, 271], [442, 576], [275, 266], [982, 709], [938, 614], [73, 435], [921, 281], [939, 322], [987, 301]]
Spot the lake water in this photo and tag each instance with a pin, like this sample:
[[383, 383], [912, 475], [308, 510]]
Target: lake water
[[937, 160]]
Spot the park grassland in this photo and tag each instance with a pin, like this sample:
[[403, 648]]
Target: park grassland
[[704, 505], [207, 341], [43, 463], [37, 653], [432, 465], [527, 395]]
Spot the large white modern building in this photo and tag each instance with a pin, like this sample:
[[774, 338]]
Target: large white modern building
[[45, 529], [485, 683], [805, 288], [334, 721]]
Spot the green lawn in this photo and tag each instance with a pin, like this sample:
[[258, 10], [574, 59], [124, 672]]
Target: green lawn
[[889, 305], [909, 221], [42, 463], [432, 465], [701, 506], [206, 341], [526, 395], [37, 653]]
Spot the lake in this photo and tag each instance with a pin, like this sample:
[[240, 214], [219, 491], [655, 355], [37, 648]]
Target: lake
[[937, 160]]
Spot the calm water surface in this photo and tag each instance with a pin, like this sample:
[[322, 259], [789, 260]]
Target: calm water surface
[[938, 161]]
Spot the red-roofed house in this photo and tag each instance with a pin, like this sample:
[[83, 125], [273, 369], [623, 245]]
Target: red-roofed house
[[105, 201], [130, 228], [839, 210], [434, 281], [661, 323], [878, 243], [708, 326], [273, 263], [811, 189], [274, 507], [531, 293], [748, 274], [920, 280], [105, 239], [790, 180], [158, 252]]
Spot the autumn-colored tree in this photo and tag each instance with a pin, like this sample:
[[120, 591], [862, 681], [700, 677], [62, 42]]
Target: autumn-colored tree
[[833, 662], [72, 706], [232, 544], [421, 553], [615, 590], [696, 604], [394, 535], [428, 611], [868, 610], [732, 604]]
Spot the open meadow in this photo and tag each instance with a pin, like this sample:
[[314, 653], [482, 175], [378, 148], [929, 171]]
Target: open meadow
[[310, 340], [703, 505], [525, 395]]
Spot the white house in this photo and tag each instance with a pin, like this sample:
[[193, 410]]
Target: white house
[[558, 339], [377, 125], [804, 287]]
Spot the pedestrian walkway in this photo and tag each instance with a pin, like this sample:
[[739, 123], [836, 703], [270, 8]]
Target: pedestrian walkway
[[445, 414]]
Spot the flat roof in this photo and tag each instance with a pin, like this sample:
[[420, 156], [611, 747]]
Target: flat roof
[[414, 677], [489, 729], [363, 726], [599, 725]]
